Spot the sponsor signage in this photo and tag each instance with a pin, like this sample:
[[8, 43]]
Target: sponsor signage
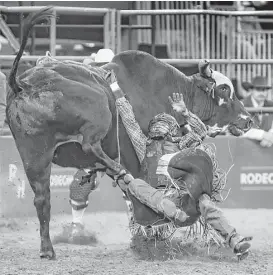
[[58, 181], [60, 177], [17, 181], [256, 178]]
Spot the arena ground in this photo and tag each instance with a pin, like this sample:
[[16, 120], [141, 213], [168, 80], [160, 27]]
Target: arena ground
[[112, 254]]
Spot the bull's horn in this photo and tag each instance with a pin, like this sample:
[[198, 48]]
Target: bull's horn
[[204, 68]]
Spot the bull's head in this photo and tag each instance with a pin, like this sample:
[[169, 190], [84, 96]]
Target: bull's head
[[227, 113]]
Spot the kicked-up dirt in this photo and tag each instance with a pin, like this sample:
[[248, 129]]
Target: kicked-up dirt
[[108, 248]]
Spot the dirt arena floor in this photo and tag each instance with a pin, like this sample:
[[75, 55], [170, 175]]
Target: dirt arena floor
[[114, 254]]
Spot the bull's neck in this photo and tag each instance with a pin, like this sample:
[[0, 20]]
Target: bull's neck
[[188, 92], [198, 101]]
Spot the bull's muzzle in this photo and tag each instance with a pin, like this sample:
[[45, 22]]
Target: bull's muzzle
[[249, 124], [241, 126]]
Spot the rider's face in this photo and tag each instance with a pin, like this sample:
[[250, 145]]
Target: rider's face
[[183, 130], [175, 132]]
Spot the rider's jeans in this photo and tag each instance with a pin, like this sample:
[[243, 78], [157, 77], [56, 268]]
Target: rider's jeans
[[153, 198], [215, 217]]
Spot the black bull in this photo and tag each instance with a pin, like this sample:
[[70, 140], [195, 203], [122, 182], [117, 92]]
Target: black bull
[[48, 105]]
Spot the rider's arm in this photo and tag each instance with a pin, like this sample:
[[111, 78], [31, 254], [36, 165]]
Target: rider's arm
[[196, 133], [183, 114], [193, 122], [197, 126], [133, 129]]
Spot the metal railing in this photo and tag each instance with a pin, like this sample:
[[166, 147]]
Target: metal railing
[[108, 18], [228, 63], [169, 61], [261, 110], [35, 57], [212, 34]]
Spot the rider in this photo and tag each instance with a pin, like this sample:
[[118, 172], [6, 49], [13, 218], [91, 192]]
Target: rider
[[177, 161]]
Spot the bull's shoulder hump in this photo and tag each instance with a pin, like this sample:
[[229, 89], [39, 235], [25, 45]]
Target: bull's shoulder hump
[[134, 60], [133, 56]]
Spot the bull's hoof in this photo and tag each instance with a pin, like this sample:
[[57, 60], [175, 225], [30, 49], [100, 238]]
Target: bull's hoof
[[49, 255]]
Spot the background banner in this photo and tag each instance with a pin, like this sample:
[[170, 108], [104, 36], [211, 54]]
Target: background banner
[[250, 180]]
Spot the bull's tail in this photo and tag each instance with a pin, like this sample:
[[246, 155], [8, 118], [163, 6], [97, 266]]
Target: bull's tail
[[30, 21]]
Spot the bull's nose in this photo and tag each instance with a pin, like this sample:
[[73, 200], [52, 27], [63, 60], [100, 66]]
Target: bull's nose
[[249, 123]]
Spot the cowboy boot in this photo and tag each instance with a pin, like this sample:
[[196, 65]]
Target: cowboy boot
[[240, 246], [123, 181], [215, 217]]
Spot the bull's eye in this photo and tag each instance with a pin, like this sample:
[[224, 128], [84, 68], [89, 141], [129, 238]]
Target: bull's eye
[[224, 89]]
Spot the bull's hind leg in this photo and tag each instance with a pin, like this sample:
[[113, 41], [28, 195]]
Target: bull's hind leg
[[36, 154], [92, 137]]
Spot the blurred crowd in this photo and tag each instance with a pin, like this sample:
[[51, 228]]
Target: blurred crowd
[[257, 93]]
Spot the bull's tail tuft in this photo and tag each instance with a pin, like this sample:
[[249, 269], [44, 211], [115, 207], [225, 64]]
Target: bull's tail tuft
[[36, 17]]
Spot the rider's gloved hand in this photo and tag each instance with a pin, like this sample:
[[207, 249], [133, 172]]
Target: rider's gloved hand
[[118, 93], [180, 217], [124, 181]]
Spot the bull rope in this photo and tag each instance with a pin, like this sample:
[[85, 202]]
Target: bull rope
[[118, 144]]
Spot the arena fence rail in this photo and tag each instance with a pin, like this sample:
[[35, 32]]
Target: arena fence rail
[[108, 26], [212, 34]]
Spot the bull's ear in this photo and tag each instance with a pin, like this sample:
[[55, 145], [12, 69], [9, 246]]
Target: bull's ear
[[204, 68]]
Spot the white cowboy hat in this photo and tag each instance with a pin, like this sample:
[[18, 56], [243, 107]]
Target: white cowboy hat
[[101, 57], [104, 56]]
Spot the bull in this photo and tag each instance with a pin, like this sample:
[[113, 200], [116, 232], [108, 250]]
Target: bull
[[51, 104]]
